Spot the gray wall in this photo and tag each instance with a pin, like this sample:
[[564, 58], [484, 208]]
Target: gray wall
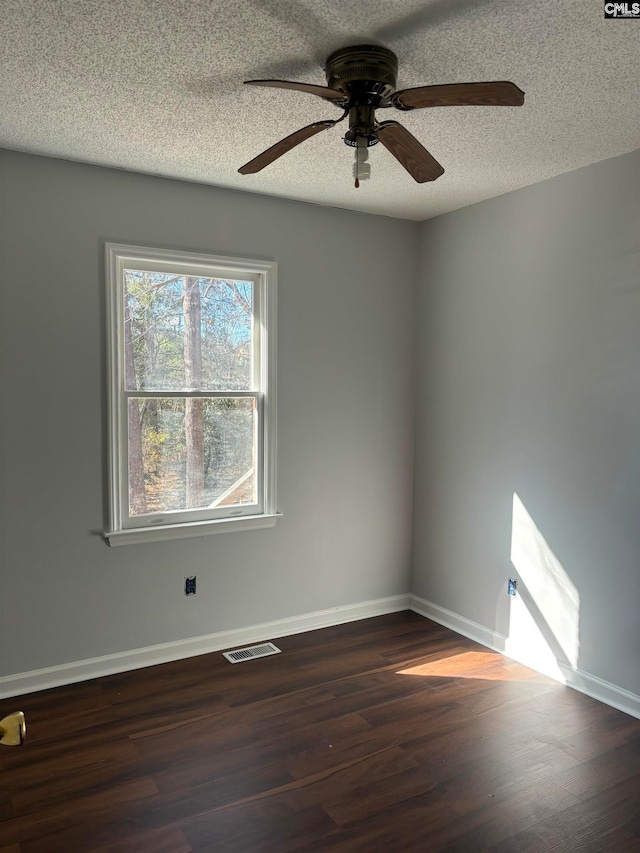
[[528, 360], [529, 376], [345, 408]]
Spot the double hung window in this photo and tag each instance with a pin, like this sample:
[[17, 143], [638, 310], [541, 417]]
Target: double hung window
[[191, 393]]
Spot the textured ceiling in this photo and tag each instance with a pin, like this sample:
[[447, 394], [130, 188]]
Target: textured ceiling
[[156, 86]]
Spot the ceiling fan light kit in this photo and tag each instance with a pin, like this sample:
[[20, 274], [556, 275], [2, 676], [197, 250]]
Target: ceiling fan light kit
[[362, 79]]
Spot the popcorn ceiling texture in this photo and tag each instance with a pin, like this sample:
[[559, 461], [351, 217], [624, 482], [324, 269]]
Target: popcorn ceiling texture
[[156, 86]]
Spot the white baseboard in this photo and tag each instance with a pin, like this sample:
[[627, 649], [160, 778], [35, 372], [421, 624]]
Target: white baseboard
[[601, 690], [460, 624], [584, 682], [82, 670]]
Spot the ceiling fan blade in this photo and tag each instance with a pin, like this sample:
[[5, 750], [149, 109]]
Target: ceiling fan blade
[[258, 163], [409, 152], [321, 91], [498, 94]]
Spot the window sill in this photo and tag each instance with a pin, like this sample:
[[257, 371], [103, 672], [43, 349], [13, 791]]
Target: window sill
[[162, 532]]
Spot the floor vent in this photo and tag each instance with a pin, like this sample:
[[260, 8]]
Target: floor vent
[[251, 652]]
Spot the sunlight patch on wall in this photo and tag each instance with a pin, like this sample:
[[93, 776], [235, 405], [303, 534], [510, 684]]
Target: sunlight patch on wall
[[544, 619]]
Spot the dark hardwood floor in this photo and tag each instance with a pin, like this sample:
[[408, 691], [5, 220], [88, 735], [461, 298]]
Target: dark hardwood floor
[[387, 734]]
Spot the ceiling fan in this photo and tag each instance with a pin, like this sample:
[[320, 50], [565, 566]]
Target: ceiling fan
[[362, 79]]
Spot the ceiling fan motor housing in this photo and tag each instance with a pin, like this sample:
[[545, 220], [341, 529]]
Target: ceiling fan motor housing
[[376, 67], [367, 74]]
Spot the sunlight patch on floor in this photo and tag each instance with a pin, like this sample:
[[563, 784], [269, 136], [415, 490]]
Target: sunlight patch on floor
[[487, 666]]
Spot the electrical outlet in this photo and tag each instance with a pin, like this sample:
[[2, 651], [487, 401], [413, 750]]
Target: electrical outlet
[[512, 586], [190, 585]]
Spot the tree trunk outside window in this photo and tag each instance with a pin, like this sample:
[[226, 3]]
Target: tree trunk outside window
[[194, 407], [137, 496]]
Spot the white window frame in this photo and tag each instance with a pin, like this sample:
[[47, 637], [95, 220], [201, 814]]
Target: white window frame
[[125, 529]]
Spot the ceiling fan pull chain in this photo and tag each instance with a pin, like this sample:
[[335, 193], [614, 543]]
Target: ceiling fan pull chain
[[361, 167]]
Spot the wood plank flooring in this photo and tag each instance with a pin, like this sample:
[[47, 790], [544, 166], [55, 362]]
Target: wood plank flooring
[[383, 735]]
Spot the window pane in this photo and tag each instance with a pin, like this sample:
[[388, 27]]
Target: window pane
[[184, 332], [191, 453]]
